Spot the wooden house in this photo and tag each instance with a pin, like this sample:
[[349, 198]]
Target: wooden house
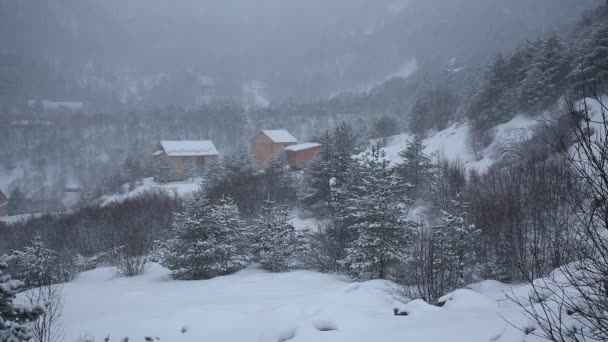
[[3, 204], [269, 144], [298, 156], [194, 155]]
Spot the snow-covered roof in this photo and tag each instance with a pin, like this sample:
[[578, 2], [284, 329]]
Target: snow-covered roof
[[189, 148], [280, 136], [301, 147]]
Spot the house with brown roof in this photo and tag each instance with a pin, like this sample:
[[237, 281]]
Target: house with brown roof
[[3, 204], [298, 156], [269, 144], [186, 156]]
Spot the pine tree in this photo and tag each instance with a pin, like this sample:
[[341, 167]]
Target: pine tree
[[454, 247], [214, 175], [592, 67], [376, 208], [209, 240], [163, 169], [17, 202], [486, 108], [14, 319], [37, 264], [239, 164], [546, 76], [318, 178], [329, 170], [276, 239], [416, 168], [420, 116]]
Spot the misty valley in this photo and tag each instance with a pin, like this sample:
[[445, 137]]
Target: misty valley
[[304, 170]]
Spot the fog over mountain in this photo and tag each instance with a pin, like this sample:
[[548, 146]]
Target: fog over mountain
[[304, 170], [156, 52]]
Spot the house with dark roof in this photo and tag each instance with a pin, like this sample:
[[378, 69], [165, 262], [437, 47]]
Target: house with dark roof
[[269, 144]]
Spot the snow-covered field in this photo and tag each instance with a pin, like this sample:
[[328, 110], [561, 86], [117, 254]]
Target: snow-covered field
[[253, 305]]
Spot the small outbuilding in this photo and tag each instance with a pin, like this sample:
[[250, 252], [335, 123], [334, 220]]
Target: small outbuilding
[[3, 204], [269, 144], [298, 156]]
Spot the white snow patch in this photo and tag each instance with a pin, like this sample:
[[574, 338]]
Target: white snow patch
[[253, 305], [405, 70], [303, 223], [181, 189], [451, 142]]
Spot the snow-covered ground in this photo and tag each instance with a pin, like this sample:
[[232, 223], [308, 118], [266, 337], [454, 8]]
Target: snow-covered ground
[[181, 189], [253, 305], [452, 142]]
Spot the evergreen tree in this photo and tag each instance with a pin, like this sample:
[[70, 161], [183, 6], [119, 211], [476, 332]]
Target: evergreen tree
[[209, 240], [377, 209], [420, 116], [17, 202], [546, 76], [37, 264], [329, 170], [454, 247], [592, 67], [318, 178], [214, 175], [163, 169], [276, 239], [484, 108], [239, 164], [14, 318], [416, 167]]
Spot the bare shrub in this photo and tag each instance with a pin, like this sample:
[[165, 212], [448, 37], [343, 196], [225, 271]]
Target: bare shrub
[[48, 327]]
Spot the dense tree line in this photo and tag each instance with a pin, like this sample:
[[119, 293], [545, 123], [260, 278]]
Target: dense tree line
[[532, 78]]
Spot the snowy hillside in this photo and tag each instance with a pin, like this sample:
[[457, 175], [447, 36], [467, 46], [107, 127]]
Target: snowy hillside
[[256, 306], [452, 142]]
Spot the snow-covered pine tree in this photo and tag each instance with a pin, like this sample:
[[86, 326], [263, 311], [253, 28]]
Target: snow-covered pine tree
[[420, 116], [14, 319], [330, 169], [214, 175], [454, 247], [377, 208], [416, 167], [318, 177], [276, 239], [38, 265], [483, 110], [592, 67], [546, 76], [163, 168], [209, 240], [239, 163]]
